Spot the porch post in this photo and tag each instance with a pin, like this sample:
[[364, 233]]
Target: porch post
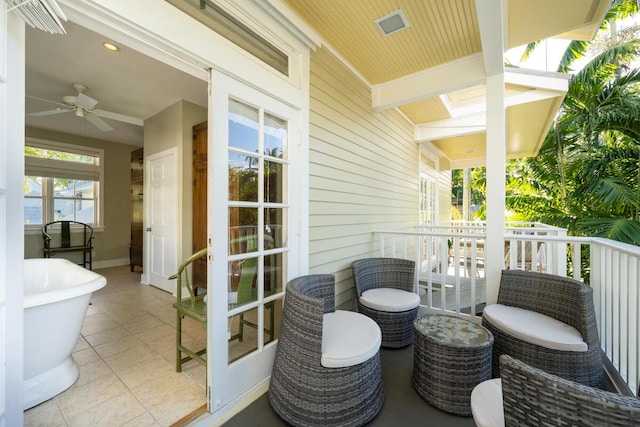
[[496, 159]]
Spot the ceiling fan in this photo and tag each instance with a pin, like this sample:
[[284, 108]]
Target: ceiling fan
[[84, 106]]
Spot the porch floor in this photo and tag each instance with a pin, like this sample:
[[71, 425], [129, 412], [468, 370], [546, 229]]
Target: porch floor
[[402, 405]]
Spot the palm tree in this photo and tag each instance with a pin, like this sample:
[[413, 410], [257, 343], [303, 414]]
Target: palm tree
[[586, 175]]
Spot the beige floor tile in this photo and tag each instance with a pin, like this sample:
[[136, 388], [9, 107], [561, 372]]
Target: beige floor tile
[[165, 347], [81, 344], [134, 355], [99, 326], [93, 309], [47, 414], [171, 398], [85, 357], [196, 372], [92, 372], [144, 324], [156, 333], [114, 412], [107, 336], [96, 317], [144, 420], [114, 347], [79, 398], [150, 369]]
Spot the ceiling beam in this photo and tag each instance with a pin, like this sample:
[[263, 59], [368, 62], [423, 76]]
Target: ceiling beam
[[454, 75], [449, 128], [492, 20]]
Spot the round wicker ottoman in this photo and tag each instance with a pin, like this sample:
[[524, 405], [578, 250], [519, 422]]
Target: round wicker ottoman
[[451, 356]]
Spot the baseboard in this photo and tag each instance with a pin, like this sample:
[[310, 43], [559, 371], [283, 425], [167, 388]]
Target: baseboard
[[110, 263]]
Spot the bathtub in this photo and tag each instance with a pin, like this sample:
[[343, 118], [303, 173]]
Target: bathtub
[[56, 297]]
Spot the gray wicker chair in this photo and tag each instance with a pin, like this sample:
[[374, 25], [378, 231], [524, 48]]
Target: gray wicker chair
[[532, 397], [560, 298], [302, 391], [394, 273]]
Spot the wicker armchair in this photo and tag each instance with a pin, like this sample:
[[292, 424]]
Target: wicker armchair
[[560, 298], [390, 299], [303, 391], [532, 397]]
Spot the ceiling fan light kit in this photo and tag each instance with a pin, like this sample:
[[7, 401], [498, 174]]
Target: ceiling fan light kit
[[84, 106]]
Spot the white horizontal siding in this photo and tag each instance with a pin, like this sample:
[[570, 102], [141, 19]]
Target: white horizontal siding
[[363, 172], [444, 196]]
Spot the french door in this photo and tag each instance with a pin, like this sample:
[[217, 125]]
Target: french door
[[250, 230]]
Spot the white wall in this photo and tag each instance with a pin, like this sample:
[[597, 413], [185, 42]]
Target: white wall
[[363, 172], [170, 128]]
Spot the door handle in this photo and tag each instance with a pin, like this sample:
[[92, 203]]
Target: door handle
[[148, 228]]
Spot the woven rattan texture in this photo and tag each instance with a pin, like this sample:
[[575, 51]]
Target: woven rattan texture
[[444, 375], [564, 299], [302, 391], [372, 273], [532, 397]]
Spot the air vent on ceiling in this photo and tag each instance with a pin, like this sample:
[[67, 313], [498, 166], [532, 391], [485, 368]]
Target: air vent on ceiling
[[392, 23]]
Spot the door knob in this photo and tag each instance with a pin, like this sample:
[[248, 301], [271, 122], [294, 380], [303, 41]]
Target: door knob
[[148, 228]]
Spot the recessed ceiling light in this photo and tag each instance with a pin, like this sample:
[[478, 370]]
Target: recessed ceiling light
[[110, 46], [392, 23]]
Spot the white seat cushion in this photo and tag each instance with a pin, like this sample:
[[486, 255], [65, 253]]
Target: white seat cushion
[[486, 404], [534, 328], [389, 299], [348, 339]]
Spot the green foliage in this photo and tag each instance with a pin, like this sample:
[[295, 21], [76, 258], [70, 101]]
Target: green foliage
[[586, 177]]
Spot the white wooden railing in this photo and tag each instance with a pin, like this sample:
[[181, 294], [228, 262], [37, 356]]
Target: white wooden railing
[[452, 257]]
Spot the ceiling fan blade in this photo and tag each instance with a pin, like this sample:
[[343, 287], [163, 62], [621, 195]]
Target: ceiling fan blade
[[47, 100], [51, 112], [85, 102], [119, 117], [98, 122]]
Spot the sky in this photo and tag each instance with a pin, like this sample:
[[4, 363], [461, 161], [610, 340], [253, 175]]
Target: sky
[[547, 56]]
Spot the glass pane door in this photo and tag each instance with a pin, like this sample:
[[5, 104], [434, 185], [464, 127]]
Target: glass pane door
[[249, 222]]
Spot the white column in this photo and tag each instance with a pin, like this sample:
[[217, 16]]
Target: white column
[[11, 216], [496, 159]]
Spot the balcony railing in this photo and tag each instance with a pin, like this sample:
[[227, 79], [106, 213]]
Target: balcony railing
[[450, 276]]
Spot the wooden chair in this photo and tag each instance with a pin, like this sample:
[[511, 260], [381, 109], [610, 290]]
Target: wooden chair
[[246, 290], [58, 238], [193, 307]]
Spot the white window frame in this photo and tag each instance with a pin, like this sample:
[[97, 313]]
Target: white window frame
[[47, 168]]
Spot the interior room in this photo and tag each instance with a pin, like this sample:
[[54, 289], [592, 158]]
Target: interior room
[[126, 352]]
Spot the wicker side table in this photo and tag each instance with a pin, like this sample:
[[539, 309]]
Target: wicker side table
[[451, 356]]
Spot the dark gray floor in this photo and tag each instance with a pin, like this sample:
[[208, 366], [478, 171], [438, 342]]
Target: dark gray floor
[[402, 405]]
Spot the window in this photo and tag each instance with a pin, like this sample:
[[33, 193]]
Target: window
[[62, 182], [215, 17]]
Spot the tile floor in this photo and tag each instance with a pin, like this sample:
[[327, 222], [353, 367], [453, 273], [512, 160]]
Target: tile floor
[[126, 356]]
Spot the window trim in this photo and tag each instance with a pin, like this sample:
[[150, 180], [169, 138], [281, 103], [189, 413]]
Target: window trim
[[35, 166]]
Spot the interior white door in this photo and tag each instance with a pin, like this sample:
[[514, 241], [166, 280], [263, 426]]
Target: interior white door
[[161, 213]]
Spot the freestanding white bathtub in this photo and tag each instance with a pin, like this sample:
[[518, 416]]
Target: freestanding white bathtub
[[56, 297]]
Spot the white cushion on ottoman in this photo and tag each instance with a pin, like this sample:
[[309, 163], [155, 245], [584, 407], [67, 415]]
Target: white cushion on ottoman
[[535, 328], [389, 299], [348, 338], [486, 404]]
